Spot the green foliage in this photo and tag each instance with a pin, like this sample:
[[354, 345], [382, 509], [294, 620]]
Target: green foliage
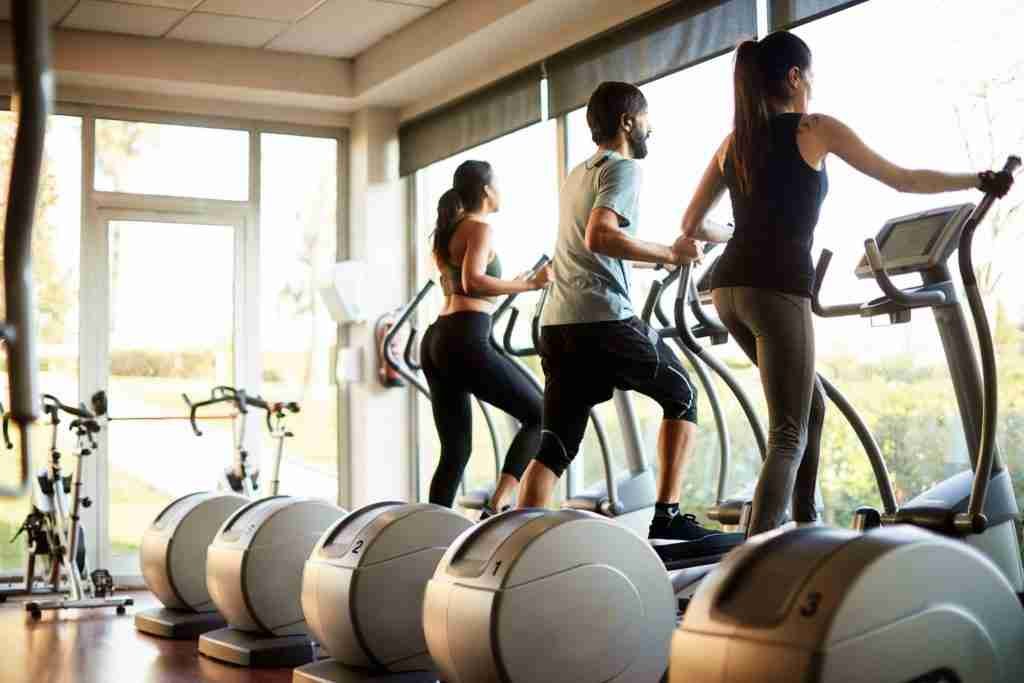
[[146, 363], [53, 294]]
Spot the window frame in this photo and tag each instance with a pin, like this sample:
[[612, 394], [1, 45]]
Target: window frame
[[96, 208]]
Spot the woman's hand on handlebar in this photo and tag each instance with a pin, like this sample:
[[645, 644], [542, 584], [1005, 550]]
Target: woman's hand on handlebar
[[997, 183], [541, 278], [686, 250]]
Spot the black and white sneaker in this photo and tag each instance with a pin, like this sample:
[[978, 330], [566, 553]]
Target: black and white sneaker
[[678, 528], [487, 511]]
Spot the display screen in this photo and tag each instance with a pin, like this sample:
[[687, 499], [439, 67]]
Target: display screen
[[913, 237]]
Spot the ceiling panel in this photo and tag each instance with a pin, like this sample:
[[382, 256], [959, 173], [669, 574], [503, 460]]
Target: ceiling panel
[[278, 10], [55, 9], [344, 28], [224, 30], [92, 15]]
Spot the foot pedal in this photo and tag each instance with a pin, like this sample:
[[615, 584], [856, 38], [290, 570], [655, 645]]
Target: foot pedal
[[102, 583]]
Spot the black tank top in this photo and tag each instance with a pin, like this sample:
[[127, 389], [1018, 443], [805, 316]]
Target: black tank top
[[771, 245]]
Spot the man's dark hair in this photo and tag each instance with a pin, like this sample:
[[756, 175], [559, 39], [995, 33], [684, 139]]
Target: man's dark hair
[[608, 103]]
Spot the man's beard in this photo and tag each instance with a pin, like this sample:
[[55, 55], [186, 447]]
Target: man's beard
[[638, 142]]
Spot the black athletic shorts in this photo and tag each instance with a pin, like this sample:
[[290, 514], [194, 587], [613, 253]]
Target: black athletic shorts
[[585, 362]]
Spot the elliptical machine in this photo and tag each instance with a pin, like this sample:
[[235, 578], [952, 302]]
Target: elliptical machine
[[859, 607], [53, 528], [534, 595], [173, 551]]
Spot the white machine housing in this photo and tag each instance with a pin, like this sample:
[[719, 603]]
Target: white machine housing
[[254, 565], [535, 596], [173, 553], [362, 588], [892, 605]]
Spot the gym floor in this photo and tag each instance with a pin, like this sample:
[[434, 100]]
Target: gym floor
[[97, 646]]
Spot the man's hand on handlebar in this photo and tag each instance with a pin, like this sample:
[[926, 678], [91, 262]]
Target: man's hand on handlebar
[[686, 250]]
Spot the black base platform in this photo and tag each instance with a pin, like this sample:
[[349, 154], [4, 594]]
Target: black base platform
[[256, 650], [329, 671], [178, 624]]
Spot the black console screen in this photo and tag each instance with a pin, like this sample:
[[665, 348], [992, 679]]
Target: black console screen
[[913, 237]]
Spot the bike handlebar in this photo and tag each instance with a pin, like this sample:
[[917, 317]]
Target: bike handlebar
[[242, 402], [52, 404]]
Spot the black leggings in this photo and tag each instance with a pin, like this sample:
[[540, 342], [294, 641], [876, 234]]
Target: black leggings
[[459, 361]]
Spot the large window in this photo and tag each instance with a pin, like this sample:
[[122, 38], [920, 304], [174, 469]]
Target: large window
[[55, 250], [298, 238], [526, 171], [165, 342], [180, 161]]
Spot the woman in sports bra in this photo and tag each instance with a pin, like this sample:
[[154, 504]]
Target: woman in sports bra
[[457, 357], [773, 166]]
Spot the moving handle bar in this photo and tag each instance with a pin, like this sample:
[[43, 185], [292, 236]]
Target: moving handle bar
[[242, 401], [974, 521], [34, 84], [507, 307], [408, 373]]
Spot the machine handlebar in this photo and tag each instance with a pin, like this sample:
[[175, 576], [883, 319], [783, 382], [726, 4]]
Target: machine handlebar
[[506, 304], [909, 299], [820, 309]]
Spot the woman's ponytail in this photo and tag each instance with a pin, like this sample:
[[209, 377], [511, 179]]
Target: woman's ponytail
[[761, 83], [449, 208], [751, 115], [469, 187]]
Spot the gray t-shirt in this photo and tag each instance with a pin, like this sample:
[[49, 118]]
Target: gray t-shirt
[[591, 287]]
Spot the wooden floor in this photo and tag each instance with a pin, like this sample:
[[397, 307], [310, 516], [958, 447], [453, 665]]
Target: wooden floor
[[97, 646]]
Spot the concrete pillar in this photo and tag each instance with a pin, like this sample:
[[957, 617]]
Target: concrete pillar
[[379, 419]]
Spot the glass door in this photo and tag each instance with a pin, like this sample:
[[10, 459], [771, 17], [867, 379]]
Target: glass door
[[173, 322]]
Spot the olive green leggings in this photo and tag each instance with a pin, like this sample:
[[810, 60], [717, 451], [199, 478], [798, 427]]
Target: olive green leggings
[[776, 331]]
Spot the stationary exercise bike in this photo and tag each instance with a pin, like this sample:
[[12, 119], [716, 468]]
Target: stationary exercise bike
[[174, 547], [243, 476], [53, 528]]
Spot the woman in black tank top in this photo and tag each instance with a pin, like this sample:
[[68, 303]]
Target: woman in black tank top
[[458, 358], [773, 166]]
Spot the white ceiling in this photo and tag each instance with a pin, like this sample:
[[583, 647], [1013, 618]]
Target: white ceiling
[[331, 28]]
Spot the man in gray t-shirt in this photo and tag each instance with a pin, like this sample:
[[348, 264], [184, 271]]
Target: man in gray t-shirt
[[591, 342], [591, 286]]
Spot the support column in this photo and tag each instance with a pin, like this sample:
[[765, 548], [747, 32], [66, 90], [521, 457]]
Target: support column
[[379, 419]]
